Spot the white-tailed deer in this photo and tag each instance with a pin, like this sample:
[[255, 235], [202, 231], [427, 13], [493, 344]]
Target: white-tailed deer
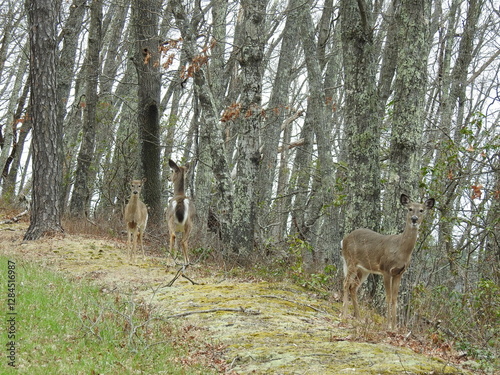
[[136, 218], [180, 210], [365, 251]]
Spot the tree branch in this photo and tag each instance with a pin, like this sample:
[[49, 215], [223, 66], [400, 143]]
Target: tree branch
[[238, 310]]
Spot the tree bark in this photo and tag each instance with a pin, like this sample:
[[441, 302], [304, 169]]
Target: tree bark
[[322, 192], [409, 111], [361, 123], [47, 131], [14, 160], [12, 149], [249, 123], [362, 134], [454, 99], [406, 148], [275, 115], [80, 200], [147, 62]]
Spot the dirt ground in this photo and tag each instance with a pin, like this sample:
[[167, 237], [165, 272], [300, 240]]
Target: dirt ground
[[266, 328]]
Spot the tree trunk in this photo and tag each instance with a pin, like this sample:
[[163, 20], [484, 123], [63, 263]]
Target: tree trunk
[[14, 160], [362, 134], [361, 123], [66, 65], [449, 180], [405, 152], [147, 62], [322, 192], [249, 123], [80, 200], [409, 111], [11, 149], [275, 115], [47, 131]]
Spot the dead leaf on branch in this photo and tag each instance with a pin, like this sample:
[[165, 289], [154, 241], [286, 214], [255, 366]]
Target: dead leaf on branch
[[231, 113], [476, 191]]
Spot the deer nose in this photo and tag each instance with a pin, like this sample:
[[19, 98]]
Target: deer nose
[[414, 219], [135, 191]]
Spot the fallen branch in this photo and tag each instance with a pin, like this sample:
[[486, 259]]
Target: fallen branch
[[15, 219], [296, 303], [179, 273], [238, 310]]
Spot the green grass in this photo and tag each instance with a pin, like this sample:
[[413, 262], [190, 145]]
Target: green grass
[[67, 326]]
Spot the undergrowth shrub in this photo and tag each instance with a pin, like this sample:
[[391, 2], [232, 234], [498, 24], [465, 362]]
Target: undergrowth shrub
[[470, 319], [290, 264]]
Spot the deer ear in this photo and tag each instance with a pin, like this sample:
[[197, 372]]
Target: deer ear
[[404, 199], [172, 165], [144, 180], [429, 203]]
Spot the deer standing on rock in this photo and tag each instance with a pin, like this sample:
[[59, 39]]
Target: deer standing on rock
[[180, 210], [136, 218], [365, 251]]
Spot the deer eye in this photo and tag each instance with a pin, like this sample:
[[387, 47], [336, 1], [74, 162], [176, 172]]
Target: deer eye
[[410, 209], [421, 210]]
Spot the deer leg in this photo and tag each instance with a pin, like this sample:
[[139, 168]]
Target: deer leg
[[348, 283], [396, 281], [353, 290], [391, 284], [360, 277], [172, 243], [388, 284], [129, 242], [141, 236], [352, 282], [345, 300], [184, 243], [134, 246]]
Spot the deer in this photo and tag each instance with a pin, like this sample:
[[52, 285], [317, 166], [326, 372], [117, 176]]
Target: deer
[[180, 210], [365, 251], [136, 218]]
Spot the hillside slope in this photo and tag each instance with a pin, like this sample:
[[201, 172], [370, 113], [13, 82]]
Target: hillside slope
[[265, 328]]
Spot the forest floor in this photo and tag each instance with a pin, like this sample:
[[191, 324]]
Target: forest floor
[[261, 327]]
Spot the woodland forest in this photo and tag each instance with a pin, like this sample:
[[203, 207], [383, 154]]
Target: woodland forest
[[300, 121]]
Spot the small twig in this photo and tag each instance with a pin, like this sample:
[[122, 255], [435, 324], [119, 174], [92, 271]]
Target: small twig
[[297, 303], [175, 277], [91, 327], [192, 282], [91, 222], [239, 310], [179, 273]]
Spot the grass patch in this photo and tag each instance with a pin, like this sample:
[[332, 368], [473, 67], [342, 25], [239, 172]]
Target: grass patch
[[67, 326]]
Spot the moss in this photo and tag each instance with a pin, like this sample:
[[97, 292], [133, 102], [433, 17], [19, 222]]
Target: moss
[[294, 333]]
